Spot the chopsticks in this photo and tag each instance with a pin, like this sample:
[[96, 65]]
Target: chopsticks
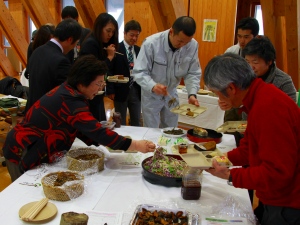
[[115, 52], [34, 210]]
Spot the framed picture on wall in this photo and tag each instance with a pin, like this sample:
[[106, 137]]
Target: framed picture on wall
[[209, 30]]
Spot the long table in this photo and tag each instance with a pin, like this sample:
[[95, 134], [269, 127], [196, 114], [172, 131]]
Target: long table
[[212, 118], [120, 187]]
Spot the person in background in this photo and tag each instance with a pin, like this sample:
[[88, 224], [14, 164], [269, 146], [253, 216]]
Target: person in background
[[246, 29], [164, 59], [127, 95], [55, 120], [71, 12], [261, 55], [102, 42], [29, 49], [41, 37], [272, 134], [48, 65]]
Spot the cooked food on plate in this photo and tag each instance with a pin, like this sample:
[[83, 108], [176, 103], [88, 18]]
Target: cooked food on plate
[[200, 132], [161, 217], [222, 160], [189, 112], [174, 131]]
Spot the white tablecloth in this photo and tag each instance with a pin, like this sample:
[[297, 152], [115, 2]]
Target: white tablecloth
[[212, 118], [120, 188]]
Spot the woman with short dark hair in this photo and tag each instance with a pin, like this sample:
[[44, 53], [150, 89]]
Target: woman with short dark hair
[[55, 120]]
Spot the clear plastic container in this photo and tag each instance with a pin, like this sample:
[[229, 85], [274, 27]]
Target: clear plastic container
[[191, 183]]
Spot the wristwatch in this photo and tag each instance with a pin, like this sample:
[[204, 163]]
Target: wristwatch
[[229, 182]]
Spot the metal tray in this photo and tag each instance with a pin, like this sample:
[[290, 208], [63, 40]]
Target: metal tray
[[192, 219]]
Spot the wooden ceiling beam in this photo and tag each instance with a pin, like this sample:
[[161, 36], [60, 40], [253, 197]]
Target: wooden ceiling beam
[[12, 32], [89, 10], [39, 12], [158, 15], [165, 12], [6, 65]]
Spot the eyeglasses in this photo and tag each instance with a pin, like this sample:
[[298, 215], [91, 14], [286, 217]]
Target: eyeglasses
[[101, 84]]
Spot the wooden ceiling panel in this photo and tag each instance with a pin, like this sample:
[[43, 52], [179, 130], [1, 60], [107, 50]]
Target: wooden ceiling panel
[[12, 32], [6, 65], [89, 10], [39, 12]]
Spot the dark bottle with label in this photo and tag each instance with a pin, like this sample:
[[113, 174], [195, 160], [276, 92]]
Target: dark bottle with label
[[117, 119], [191, 183]]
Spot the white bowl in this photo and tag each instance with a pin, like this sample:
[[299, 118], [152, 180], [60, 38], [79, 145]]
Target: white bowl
[[108, 124]]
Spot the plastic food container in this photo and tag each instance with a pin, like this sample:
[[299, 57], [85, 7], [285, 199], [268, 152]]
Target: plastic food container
[[107, 124], [183, 216]]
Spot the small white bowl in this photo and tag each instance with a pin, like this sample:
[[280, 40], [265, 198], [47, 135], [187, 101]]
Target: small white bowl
[[107, 124]]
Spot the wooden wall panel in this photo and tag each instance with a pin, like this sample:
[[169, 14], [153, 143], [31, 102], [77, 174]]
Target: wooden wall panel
[[292, 40], [225, 13], [140, 10], [281, 26]]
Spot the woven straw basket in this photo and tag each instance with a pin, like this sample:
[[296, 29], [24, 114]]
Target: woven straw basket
[[93, 165], [65, 192]]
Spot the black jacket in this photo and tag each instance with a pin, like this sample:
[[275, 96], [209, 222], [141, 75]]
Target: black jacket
[[47, 67]]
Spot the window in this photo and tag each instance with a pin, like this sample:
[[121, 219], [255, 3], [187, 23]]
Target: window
[[67, 2], [258, 16], [116, 9], [5, 41]]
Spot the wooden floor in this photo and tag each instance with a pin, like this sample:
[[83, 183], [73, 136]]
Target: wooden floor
[[5, 178]]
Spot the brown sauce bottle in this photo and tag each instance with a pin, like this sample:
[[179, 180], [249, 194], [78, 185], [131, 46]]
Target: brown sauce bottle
[[117, 119]]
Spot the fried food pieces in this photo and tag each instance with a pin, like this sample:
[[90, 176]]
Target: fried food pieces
[[147, 217]]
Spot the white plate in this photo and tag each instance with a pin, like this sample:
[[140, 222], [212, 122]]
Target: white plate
[[173, 135]]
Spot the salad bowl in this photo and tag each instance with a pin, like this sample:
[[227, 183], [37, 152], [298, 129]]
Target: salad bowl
[[159, 179]]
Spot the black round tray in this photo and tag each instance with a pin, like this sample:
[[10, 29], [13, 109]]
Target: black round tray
[[212, 136], [161, 180]]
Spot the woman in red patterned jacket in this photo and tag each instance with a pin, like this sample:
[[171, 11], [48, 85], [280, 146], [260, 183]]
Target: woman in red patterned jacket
[[55, 120]]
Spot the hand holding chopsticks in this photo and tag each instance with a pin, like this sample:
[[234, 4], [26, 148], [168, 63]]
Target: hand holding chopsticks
[[34, 210], [115, 52]]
